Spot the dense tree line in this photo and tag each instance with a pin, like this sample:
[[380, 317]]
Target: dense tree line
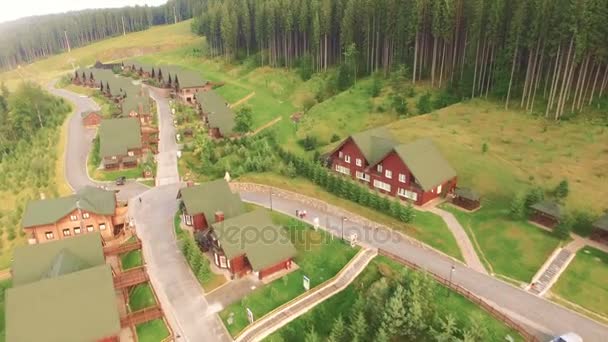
[[522, 51], [28, 39]]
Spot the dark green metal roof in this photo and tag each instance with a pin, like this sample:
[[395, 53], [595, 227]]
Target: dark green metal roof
[[602, 223], [374, 143], [426, 163], [467, 193], [47, 260], [255, 235], [211, 197], [80, 306], [549, 208], [218, 113], [117, 136], [48, 211]]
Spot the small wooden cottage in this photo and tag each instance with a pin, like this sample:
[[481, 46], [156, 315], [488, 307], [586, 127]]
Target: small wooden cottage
[[600, 229], [546, 213], [466, 198], [91, 119]]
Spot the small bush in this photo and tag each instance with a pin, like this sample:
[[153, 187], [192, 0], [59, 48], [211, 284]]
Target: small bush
[[335, 138], [484, 148], [563, 229], [309, 143], [562, 189], [424, 104]]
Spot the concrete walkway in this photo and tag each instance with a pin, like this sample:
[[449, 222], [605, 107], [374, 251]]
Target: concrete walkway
[[166, 172], [462, 239], [544, 318], [292, 310]]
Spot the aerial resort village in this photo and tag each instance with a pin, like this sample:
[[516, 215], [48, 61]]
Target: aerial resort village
[[304, 171]]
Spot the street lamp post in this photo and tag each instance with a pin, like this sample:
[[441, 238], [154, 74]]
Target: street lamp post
[[270, 196], [452, 269], [343, 219]]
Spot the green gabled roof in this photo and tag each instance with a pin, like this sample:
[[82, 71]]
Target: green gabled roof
[[51, 210], [117, 136], [255, 235], [86, 113], [467, 193], [189, 78], [211, 197], [132, 102], [374, 143], [47, 260], [218, 113], [80, 306], [602, 223], [548, 207], [426, 163]]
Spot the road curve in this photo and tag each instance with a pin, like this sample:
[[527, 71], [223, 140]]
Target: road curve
[[543, 317]]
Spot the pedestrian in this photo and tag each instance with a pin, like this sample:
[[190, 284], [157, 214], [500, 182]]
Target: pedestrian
[[297, 213], [140, 200]]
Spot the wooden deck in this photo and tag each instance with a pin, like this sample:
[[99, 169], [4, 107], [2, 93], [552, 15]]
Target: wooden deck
[[130, 278], [141, 316]]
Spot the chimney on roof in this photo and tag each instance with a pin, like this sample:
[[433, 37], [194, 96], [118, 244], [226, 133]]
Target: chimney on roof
[[219, 216]]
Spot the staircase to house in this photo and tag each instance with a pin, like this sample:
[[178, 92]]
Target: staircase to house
[[547, 277]]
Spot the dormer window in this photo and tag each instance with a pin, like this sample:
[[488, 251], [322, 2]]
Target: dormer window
[[379, 168], [347, 158], [340, 154], [358, 161]]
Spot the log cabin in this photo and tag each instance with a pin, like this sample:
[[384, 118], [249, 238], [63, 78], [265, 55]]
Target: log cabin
[[546, 213], [466, 198], [62, 291], [216, 113], [187, 84], [90, 210], [416, 171], [91, 118], [600, 229], [121, 143]]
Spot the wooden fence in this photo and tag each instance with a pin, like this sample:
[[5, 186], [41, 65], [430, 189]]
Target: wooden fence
[[468, 294]]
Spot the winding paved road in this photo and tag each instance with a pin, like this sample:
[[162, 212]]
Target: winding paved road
[[543, 317]]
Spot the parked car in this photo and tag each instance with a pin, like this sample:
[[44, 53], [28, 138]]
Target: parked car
[[121, 180], [568, 337]]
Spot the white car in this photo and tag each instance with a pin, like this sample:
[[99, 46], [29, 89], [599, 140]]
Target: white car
[[568, 337]]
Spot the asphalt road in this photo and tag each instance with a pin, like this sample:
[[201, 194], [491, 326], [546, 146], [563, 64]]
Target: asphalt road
[[166, 158], [79, 144], [545, 318]]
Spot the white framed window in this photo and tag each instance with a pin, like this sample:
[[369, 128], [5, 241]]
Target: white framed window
[[89, 229], [407, 194], [188, 220], [86, 215], [113, 157], [381, 185], [362, 176], [388, 174], [73, 217], [49, 235], [102, 226], [76, 230], [67, 232], [342, 169], [340, 154], [379, 167], [223, 263], [130, 153], [402, 178], [347, 158], [439, 189], [358, 162]]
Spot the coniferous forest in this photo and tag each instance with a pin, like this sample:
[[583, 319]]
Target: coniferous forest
[[28, 39], [525, 52]]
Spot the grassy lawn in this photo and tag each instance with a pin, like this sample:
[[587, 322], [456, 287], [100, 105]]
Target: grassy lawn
[[426, 227], [141, 297], [584, 281], [132, 173], [322, 316], [62, 186], [320, 258], [131, 259], [153, 331], [155, 39], [515, 249], [4, 285]]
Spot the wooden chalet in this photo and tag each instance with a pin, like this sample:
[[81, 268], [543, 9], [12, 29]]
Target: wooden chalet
[[600, 229], [216, 113], [242, 245], [187, 84], [205, 204], [546, 213], [121, 144], [90, 210], [416, 171], [91, 118], [466, 198]]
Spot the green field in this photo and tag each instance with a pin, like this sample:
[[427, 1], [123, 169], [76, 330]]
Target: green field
[[4, 285], [515, 249], [141, 297], [584, 281], [426, 227], [153, 331], [321, 317], [131, 259], [320, 257], [155, 39]]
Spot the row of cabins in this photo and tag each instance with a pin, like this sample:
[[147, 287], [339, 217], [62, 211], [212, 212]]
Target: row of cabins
[[415, 172], [62, 291], [129, 134], [190, 89], [239, 241]]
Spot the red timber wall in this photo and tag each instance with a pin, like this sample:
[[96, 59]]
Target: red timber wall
[[283, 265], [199, 222], [109, 339], [349, 148], [239, 265]]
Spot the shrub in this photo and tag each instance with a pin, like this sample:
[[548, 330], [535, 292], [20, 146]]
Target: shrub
[[534, 196], [484, 148], [562, 189], [406, 214], [517, 209], [563, 229], [309, 143], [400, 105], [335, 138], [305, 70], [243, 119], [582, 223], [376, 86], [424, 104]]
